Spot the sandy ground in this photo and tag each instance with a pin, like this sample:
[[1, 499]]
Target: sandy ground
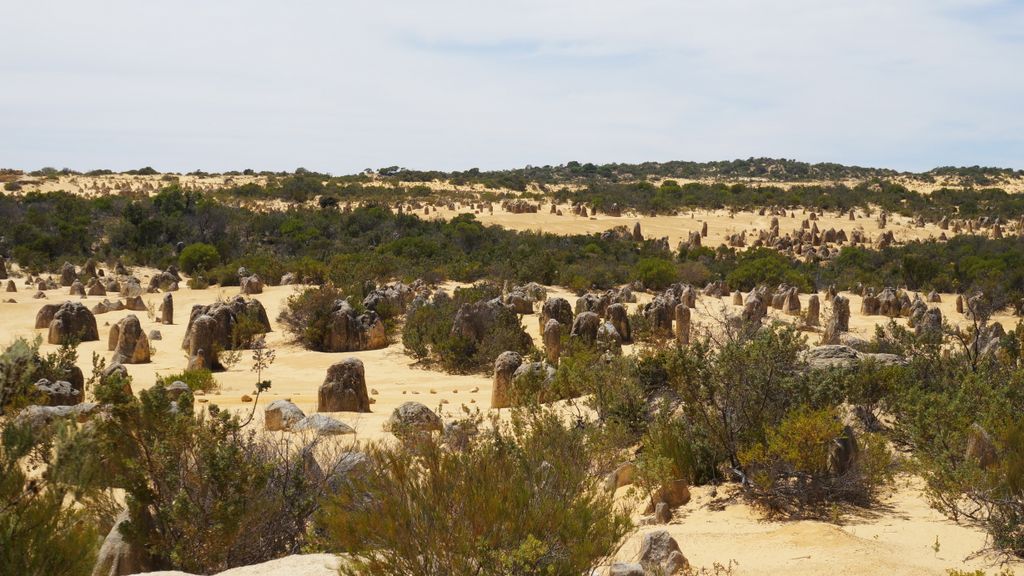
[[721, 224], [118, 183], [897, 538]]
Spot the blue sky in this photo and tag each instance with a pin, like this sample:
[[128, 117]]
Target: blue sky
[[341, 86]]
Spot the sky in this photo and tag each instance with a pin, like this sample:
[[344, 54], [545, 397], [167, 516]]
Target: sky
[[340, 86]]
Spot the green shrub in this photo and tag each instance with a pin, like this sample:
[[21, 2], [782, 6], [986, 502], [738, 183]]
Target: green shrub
[[519, 499], [793, 471], [198, 258], [655, 273], [196, 380], [202, 494], [307, 315]]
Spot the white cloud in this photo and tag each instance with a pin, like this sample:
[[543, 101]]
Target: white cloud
[[340, 86]]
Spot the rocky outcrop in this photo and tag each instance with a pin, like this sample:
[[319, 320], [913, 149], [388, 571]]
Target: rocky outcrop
[[660, 554], [585, 326], [840, 356], [556, 309], [281, 415], [117, 557], [351, 332], [219, 332], [344, 388], [251, 285], [505, 366], [412, 418], [58, 393], [128, 342], [72, 322]]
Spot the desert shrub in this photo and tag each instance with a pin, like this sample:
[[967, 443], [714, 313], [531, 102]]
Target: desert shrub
[[202, 494], [306, 315], [519, 499], [22, 364], [766, 266], [428, 335], [793, 472], [667, 454], [197, 258], [39, 533], [736, 391], [655, 273], [963, 425], [46, 525], [196, 380]]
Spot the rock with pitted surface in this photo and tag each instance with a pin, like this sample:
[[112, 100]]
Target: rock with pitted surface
[[556, 309], [351, 332], [72, 322], [77, 289], [838, 322], [68, 274], [11, 287], [225, 317], [131, 288], [251, 285], [323, 425], [344, 388], [660, 554], [128, 342], [584, 327], [58, 393], [413, 417]]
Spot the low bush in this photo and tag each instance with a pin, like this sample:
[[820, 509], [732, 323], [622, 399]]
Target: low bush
[[307, 315], [519, 499], [196, 379], [799, 468], [202, 494], [198, 258]]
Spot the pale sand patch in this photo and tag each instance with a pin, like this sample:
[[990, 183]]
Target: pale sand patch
[[721, 224]]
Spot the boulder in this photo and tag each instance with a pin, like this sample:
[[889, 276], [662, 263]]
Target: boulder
[[838, 322], [505, 366], [682, 319], [135, 303], [843, 452], [72, 322], [553, 341], [128, 342], [251, 285], [77, 289], [660, 554], [117, 557], [167, 309], [59, 393], [413, 417], [201, 342], [626, 569], [351, 332], [11, 287], [556, 309], [813, 311], [45, 315], [585, 327], [322, 424], [68, 274], [95, 288], [225, 316], [617, 315], [981, 449], [929, 323], [281, 415], [344, 388]]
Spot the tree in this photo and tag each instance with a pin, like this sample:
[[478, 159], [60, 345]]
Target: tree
[[198, 258]]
